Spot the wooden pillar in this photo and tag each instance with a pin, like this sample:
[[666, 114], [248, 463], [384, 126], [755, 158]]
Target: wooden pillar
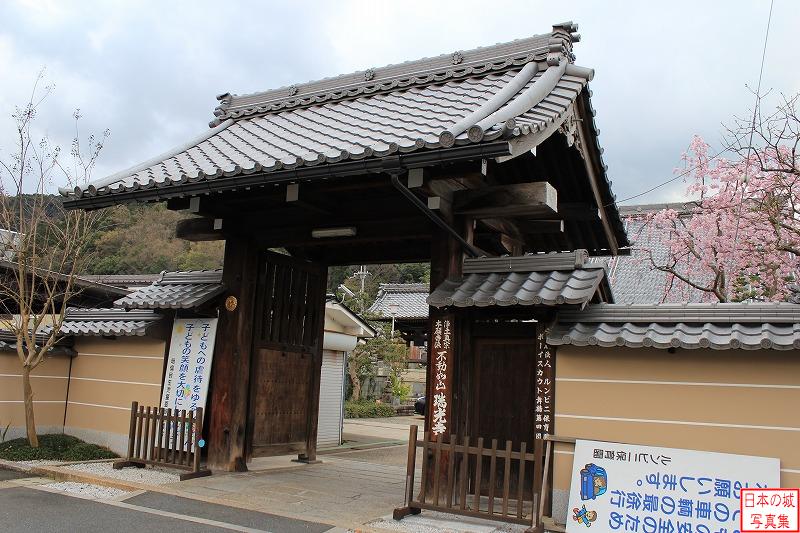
[[446, 262], [310, 456], [230, 373], [447, 258]]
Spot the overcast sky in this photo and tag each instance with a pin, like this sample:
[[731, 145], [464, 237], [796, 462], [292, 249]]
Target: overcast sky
[[149, 71]]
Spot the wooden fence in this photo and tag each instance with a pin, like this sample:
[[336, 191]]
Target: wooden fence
[[163, 437], [473, 479]]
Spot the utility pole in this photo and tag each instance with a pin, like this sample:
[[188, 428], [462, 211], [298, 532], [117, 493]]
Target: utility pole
[[362, 275]]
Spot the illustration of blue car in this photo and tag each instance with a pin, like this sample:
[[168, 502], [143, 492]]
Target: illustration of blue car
[[593, 481]]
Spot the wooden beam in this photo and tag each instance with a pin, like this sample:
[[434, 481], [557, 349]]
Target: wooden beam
[[198, 229], [508, 233], [517, 200], [595, 171], [541, 226], [379, 253], [579, 212]]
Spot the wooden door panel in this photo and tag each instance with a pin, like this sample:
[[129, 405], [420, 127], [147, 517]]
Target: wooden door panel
[[287, 342], [505, 399]]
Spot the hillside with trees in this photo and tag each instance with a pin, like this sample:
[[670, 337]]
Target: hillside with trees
[[140, 239]]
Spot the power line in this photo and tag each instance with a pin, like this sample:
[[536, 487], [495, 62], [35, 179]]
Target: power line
[[726, 148], [679, 176], [753, 123]]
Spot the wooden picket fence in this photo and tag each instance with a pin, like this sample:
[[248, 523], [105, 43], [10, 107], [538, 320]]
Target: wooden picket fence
[[459, 488], [165, 437]]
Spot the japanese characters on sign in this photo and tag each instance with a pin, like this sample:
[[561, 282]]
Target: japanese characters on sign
[[545, 379], [442, 363], [623, 487], [770, 510], [189, 363]]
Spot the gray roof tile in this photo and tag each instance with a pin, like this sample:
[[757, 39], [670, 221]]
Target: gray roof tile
[[691, 326], [99, 322], [633, 279], [410, 299], [176, 290], [125, 281], [573, 287]]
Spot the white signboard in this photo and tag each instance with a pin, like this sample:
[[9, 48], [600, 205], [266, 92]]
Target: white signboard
[[189, 364], [643, 489]]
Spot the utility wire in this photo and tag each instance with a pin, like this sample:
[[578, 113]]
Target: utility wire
[[753, 125], [726, 148]]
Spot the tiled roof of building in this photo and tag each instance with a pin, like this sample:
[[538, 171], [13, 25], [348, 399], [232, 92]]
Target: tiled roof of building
[[540, 279], [8, 339], [492, 101], [176, 290], [100, 322], [410, 299], [633, 279], [718, 326], [571, 287], [86, 284], [125, 281]]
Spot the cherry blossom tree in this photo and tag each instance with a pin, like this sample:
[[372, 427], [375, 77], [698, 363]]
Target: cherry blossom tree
[[739, 238]]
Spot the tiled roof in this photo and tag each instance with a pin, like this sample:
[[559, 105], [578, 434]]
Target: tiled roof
[[717, 326], [483, 100], [86, 284], [533, 279], [572, 287], [632, 277], [97, 322], [125, 281], [176, 290], [410, 299], [8, 339]]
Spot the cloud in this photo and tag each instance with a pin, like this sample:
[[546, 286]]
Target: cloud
[[149, 71]]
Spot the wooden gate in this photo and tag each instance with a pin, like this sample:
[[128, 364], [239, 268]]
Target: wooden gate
[[163, 437], [515, 478], [287, 356]]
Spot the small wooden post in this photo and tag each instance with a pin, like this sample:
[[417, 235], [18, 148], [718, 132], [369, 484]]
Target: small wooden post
[[506, 477], [198, 452], [478, 472], [463, 481], [451, 455], [492, 469], [411, 465], [132, 434], [521, 479]]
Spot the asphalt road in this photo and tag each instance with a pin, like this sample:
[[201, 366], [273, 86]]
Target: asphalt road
[[29, 510]]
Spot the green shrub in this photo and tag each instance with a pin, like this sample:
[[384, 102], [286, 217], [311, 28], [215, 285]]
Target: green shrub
[[367, 409], [56, 447], [400, 390]]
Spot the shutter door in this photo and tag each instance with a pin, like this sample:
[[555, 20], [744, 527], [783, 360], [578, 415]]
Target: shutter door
[[330, 399]]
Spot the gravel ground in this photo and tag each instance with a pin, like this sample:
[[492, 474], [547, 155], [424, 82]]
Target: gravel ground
[[94, 492], [146, 476], [37, 462], [434, 522]]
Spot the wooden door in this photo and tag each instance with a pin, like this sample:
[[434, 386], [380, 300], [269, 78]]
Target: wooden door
[[504, 399], [287, 352]]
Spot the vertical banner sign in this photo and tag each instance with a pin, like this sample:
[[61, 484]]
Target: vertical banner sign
[[189, 363], [625, 487], [545, 386], [442, 375]]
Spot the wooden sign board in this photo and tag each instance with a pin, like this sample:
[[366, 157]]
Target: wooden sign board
[[544, 415], [441, 375]]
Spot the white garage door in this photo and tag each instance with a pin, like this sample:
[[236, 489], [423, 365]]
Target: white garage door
[[331, 393]]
